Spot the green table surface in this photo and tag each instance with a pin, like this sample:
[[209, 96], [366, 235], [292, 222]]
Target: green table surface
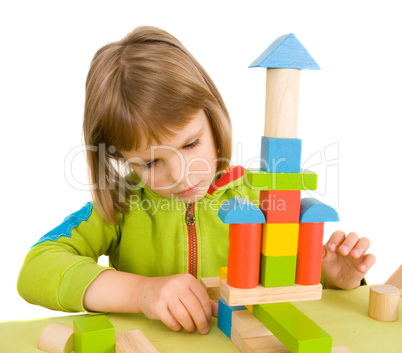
[[343, 314]]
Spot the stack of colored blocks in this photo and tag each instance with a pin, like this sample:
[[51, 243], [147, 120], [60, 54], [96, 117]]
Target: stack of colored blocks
[[292, 228]]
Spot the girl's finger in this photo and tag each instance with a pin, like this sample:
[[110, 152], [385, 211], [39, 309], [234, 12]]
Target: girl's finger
[[335, 240], [367, 263], [348, 244], [181, 315], [196, 313], [360, 248], [169, 320]]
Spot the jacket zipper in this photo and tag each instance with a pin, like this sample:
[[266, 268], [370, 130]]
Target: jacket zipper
[[192, 240]]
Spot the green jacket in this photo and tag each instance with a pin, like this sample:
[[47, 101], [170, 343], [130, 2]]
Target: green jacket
[[157, 237]]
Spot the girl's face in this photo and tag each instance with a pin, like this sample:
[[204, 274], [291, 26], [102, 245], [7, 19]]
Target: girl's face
[[182, 167]]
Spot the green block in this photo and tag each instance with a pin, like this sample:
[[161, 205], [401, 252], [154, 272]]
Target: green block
[[94, 334], [259, 179], [294, 329], [278, 271]]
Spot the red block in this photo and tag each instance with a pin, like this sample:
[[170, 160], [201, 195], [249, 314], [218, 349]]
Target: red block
[[280, 206], [244, 255], [309, 253]]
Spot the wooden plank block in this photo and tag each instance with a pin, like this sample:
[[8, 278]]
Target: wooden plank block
[[280, 206], [264, 344], [278, 271], [57, 338], [384, 302], [225, 312], [294, 329], [133, 342], [247, 325], [315, 211], [396, 279], [212, 287], [261, 295], [94, 334], [240, 211], [259, 179], [309, 253], [280, 155], [280, 239], [244, 255]]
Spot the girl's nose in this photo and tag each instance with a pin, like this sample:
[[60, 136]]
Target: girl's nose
[[176, 168]]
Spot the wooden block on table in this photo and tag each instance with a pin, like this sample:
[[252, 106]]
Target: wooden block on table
[[223, 273], [384, 302], [225, 316], [212, 287], [244, 255], [280, 206], [293, 328], [264, 344], [280, 239], [94, 334], [278, 271], [240, 211], [314, 211], [396, 279], [247, 325], [280, 155], [133, 342], [309, 253], [57, 338], [259, 179], [261, 295]]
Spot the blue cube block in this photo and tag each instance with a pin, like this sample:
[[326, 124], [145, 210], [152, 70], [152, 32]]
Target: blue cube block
[[280, 155], [225, 316]]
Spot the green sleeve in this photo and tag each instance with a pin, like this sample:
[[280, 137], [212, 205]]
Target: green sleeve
[[59, 268]]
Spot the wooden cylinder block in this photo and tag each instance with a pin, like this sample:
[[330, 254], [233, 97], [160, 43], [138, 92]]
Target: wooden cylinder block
[[309, 253], [56, 338], [244, 255], [282, 103], [384, 302]]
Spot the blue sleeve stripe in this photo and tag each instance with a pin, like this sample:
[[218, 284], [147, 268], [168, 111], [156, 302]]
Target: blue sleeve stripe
[[69, 223]]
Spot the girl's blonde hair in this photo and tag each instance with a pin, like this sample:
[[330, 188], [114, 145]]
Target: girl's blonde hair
[[138, 90]]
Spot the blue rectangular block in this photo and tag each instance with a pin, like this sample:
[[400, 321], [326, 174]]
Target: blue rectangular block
[[225, 316], [280, 155]]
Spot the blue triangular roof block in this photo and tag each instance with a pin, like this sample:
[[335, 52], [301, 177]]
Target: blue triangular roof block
[[286, 52], [240, 211], [314, 211]]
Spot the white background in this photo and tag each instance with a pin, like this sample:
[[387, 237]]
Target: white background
[[351, 109]]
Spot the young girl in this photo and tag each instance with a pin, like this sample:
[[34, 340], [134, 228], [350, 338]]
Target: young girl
[[158, 140]]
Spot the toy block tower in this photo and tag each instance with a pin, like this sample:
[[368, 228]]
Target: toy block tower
[[292, 227]]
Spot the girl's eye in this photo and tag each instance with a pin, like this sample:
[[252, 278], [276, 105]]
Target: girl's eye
[[149, 165], [192, 144]]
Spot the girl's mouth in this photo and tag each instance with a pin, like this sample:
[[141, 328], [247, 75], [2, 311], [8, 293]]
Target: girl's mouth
[[189, 192]]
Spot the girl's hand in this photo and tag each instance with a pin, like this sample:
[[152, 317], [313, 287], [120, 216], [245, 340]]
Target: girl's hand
[[345, 262], [179, 301]]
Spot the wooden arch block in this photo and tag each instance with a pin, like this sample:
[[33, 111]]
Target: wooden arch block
[[240, 211], [315, 211]]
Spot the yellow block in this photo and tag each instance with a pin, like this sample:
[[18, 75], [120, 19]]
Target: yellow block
[[223, 273], [280, 239]]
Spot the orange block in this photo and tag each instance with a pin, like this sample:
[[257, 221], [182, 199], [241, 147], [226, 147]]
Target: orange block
[[309, 253], [244, 255], [280, 206]]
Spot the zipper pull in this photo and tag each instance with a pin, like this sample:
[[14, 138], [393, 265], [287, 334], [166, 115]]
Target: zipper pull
[[190, 219]]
